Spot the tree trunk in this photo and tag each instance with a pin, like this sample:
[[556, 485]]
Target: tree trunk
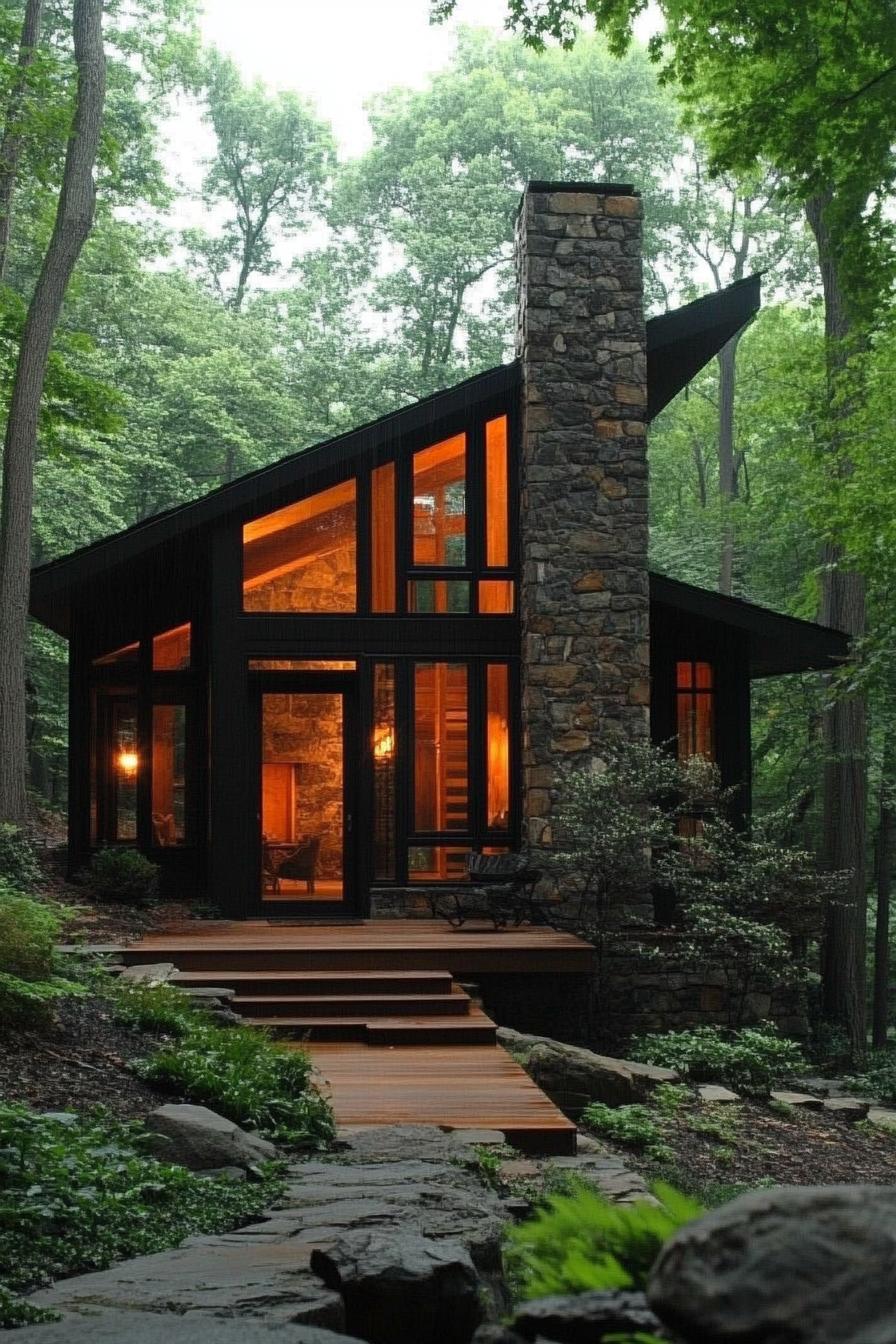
[[74, 218], [886, 834], [726, 360], [11, 144], [844, 724]]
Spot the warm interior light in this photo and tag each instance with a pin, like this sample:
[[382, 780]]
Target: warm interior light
[[383, 742], [128, 760]]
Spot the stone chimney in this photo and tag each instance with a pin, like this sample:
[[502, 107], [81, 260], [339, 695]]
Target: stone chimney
[[584, 598]]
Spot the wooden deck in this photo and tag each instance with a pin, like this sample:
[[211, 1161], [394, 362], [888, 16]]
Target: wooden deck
[[375, 1002], [368, 945], [457, 1087]]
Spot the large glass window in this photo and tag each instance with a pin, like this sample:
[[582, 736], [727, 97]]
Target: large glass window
[[440, 503], [303, 557], [384, 752], [382, 538], [497, 731], [497, 539], [441, 784], [169, 749]]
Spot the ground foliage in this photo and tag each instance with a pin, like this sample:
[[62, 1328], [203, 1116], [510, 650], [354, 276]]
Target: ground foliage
[[582, 1242], [77, 1193], [751, 1059]]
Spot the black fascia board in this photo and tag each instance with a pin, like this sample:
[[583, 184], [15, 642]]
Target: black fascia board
[[681, 343], [779, 644]]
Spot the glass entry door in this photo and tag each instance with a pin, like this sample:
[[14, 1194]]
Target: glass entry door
[[305, 814]]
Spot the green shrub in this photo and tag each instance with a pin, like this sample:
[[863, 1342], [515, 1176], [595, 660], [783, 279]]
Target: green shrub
[[878, 1079], [18, 860], [241, 1073], [582, 1242], [28, 983], [752, 1059], [160, 1008], [78, 1195], [121, 875], [633, 1126]]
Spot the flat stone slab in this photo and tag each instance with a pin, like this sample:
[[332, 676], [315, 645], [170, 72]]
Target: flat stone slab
[[847, 1108], [716, 1095], [803, 1100], [206, 992], [166, 1327], [882, 1116], [261, 1279], [153, 973], [485, 1138]]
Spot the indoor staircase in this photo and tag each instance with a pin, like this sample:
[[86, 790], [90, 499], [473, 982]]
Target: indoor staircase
[[392, 1007]]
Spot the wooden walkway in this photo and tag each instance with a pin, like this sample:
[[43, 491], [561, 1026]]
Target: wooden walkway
[[456, 1087], [376, 1004]]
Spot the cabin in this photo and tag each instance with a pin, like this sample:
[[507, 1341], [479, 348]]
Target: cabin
[[314, 690]]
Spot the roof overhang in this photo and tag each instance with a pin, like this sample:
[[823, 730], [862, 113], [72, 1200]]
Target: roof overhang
[[778, 644], [680, 343]]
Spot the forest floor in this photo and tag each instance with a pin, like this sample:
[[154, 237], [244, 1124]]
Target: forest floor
[[82, 1060], [716, 1151]]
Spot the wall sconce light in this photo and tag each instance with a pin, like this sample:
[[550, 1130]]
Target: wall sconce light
[[128, 761], [383, 742]]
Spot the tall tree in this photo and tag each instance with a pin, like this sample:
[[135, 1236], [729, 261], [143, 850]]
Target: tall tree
[[809, 88], [74, 218], [270, 170]]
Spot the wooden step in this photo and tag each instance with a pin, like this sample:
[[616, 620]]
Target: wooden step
[[352, 1005], [310, 983], [473, 1028]]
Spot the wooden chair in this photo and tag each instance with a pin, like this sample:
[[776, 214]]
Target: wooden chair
[[501, 888], [299, 864]]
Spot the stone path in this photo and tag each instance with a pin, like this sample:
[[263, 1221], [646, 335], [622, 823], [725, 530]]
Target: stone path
[[396, 1180]]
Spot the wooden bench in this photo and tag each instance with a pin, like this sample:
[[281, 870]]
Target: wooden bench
[[501, 889]]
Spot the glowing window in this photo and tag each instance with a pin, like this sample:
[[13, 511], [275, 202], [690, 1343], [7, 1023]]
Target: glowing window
[[303, 557], [302, 665], [497, 732], [171, 650], [127, 654], [496, 597], [438, 863], [382, 538], [497, 544], [169, 747], [440, 503], [385, 746], [695, 710], [440, 747], [439, 596]]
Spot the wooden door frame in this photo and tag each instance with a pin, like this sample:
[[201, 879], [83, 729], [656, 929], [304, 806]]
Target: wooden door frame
[[345, 684]]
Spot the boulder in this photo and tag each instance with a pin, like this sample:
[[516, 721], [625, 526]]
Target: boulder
[[402, 1288], [585, 1317], [573, 1076], [195, 1137], [805, 1264], [805, 1101], [155, 973], [166, 1327]]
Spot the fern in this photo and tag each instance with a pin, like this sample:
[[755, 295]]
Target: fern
[[581, 1242]]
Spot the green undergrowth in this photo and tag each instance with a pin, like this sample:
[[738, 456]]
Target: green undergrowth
[[77, 1194], [751, 1059], [633, 1126], [30, 982], [240, 1072], [581, 1242]]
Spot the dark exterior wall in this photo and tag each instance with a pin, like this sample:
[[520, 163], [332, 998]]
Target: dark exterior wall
[[584, 587], [675, 635]]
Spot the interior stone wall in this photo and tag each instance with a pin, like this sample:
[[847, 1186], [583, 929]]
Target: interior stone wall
[[325, 584], [314, 747], [584, 591]]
